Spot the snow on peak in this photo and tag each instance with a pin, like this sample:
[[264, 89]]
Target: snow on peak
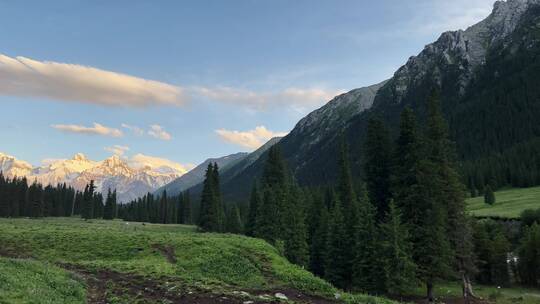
[[132, 177], [79, 157]]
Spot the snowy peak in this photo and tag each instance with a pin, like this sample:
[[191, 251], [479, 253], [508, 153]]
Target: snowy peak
[[131, 177]]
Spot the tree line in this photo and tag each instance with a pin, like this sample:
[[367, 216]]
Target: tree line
[[20, 199]]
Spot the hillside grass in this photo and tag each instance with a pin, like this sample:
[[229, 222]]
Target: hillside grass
[[28, 281], [509, 203], [222, 263]]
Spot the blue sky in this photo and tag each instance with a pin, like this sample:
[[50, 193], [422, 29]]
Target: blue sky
[[225, 75]]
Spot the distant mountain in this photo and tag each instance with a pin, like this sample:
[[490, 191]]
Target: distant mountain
[[196, 175], [131, 178], [488, 77]]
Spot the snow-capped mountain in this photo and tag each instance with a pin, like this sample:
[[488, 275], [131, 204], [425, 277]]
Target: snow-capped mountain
[[131, 178]]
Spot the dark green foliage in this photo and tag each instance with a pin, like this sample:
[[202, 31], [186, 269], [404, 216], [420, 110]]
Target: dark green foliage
[[87, 208], [255, 203], [211, 213], [335, 267], [529, 256], [366, 266], [296, 246], [234, 221], [529, 217], [377, 164], [317, 234], [398, 266], [491, 248], [489, 196]]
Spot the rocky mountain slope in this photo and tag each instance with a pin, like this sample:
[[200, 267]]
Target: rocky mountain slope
[[488, 77], [131, 178]]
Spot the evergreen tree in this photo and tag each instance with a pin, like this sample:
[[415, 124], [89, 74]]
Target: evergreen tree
[[318, 230], [489, 196], [396, 253], [87, 203], [234, 221], [296, 247], [255, 203], [335, 268], [529, 256], [210, 214], [271, 224], [377, 165], [108, 211], [188, 213], [366, 264]]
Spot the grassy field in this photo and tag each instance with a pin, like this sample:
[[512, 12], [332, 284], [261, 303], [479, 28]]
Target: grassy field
[[27, 281], [491, 294], [509, 203], [147, 263]]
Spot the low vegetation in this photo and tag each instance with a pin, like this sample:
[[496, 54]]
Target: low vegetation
[[172, 259], [28, 281]]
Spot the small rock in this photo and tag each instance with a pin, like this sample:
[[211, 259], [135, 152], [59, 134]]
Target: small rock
[[248, 302], [281, 296], [337, 296]]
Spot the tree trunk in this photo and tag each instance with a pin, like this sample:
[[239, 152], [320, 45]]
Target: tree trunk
[[468, 293], [429, 286]]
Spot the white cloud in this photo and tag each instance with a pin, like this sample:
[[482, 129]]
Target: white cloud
[[157, 131], [117, 149], [22, 76], [136, 130], [141, 161], [251, 139], [97, 129], [293, 97]]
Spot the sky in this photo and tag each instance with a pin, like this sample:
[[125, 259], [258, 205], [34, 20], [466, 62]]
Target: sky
[[189, 80]]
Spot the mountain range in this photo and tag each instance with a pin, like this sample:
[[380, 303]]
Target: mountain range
[[131, 178], [488, 79]]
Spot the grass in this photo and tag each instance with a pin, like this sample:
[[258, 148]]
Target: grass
[[214, 262], [509, 203], [491, 293], [27, 281]]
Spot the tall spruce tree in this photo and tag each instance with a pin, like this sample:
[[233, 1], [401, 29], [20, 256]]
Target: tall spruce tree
[[450, 193], [366, 267], [211, 218], [233, 222], [108, 211], [87, 203], [377, 165], [296, 247], [317, 232], [255, 203], [336, 268], [398, 266]]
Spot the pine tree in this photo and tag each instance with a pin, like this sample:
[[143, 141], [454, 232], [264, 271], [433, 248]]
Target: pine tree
[[335, 268], [234, 221], [211, 218], [255, 203], [396, 253], [318, 230], [377, 165], [296, 247], [188, 213], [489, 196], [108, 211], [366, 264], [87, 203]]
